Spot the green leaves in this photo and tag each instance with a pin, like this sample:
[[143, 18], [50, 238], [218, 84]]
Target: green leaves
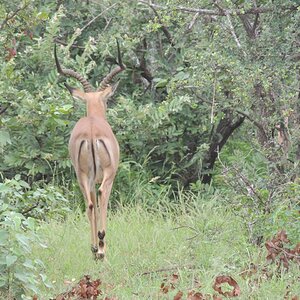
[[4, 139], [161, 83], [17, 237], [180, 76], [10, 260], [3, 237], [17, 196]]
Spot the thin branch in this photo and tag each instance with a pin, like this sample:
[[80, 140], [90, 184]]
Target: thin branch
[[256, 21], [9, 17], [191, 228], [198, 96], [249, 186], [167, 269], [163, 27], [28, 210], [58, 41], [214, 12], [213, 101], [256, 123], [192, 23], [107, 24], [98, 16], [233, 32], [286, 253], [230, 25], [145, 72], [185, 226], [4, 109]]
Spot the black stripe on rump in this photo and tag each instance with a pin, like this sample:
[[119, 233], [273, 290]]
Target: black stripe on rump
[[94, 161], [79, 152], [105, 149]]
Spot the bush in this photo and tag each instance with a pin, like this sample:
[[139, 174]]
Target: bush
[[38, 202], [21, 208], [18, 273]]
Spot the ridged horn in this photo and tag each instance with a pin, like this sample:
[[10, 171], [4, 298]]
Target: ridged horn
[[108, 78], [68, 72]]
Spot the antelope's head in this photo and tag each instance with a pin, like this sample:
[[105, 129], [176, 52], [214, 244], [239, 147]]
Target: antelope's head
[[90, 95]]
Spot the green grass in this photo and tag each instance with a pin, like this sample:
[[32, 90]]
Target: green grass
[[196, 241]]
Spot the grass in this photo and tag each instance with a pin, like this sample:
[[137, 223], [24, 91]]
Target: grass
[[196, 240]]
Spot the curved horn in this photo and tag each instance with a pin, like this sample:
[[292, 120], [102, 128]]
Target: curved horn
[[68, 72], [108, 78]]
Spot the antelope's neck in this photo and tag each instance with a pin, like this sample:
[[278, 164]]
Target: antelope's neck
[[95, 110]]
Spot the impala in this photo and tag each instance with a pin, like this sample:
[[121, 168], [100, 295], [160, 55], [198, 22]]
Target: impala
[[94, 150]]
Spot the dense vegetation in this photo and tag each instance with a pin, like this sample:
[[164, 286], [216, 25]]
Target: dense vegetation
[[207, 116]]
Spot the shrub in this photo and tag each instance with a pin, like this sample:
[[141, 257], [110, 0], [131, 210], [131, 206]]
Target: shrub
[[18, 273]]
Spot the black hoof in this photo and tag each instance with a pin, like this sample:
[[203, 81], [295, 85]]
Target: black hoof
[[94, 249], [101, 235], [100, 256]]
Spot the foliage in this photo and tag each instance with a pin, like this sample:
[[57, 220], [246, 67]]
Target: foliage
[[19, 274], [41, 152], [39, 203], [20, 207], [189, 84], [189, 89], [134, 184], [265, 201]]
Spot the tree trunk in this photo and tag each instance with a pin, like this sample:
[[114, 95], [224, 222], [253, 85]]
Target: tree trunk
[[224, 130]]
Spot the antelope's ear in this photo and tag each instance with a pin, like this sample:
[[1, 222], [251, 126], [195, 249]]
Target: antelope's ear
[[114, 87], [110, 90], [76, 93]]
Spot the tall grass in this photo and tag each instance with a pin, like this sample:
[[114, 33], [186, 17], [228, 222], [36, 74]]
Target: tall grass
[[194, 237]]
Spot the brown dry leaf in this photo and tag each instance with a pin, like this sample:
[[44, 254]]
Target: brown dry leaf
[[282, 236], [60, 297], [297, 248], [216, 297], [192, 295], [178, 296], [295, 298], [278, 253], [226, 279], [174, 278], [273, 250], [164, 288], [85, 289], [35, 297], [169, 283]]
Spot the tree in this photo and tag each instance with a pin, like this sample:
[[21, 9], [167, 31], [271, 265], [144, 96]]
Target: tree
[[194, 76]]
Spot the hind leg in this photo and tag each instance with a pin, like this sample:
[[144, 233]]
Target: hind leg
[[94, 214], [104, 193], [91, 212]]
